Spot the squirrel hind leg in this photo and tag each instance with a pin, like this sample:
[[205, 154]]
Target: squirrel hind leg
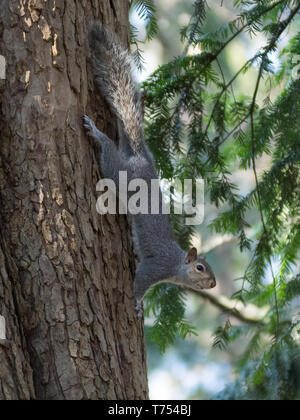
[[92, 131], [89, 126], [124, 141]]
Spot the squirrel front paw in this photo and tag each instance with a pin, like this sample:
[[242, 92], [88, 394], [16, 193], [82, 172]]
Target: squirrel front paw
[[139, 308]]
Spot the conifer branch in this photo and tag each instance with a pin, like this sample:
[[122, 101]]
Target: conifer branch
[[236, 34], [230, 311], [178, 96], [252, 110]]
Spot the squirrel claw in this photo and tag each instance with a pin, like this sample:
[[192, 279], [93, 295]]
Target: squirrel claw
[[139, 309], [89, 126]]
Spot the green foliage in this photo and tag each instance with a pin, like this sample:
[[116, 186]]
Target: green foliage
[[276, 376], [166, 304], [146, 11], [197, 126], [222, 336]]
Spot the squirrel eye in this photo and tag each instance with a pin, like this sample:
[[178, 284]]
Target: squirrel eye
[[200, 268]]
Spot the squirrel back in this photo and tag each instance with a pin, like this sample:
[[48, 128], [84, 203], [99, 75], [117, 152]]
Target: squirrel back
[[113, 67]]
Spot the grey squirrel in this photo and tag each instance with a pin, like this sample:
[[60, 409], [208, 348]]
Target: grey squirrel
[[160, 257]]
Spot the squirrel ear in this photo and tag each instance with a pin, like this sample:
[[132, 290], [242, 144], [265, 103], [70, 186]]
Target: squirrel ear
[[191, 256]]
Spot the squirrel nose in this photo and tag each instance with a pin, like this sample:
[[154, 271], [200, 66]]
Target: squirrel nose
[[213, 284]]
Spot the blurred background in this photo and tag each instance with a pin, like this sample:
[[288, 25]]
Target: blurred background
[[192, 368]]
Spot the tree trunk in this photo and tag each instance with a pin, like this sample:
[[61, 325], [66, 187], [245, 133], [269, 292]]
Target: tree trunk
[[66, 273]]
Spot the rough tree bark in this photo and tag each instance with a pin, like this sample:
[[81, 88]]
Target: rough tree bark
[[66, 274]]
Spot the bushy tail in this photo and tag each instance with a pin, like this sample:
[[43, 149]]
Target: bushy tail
[[113, 75]]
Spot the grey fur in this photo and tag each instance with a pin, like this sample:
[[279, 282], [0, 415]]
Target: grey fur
[[160, 257], [113, 74]]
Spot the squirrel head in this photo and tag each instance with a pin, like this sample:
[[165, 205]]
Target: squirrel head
[[197, 273]]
